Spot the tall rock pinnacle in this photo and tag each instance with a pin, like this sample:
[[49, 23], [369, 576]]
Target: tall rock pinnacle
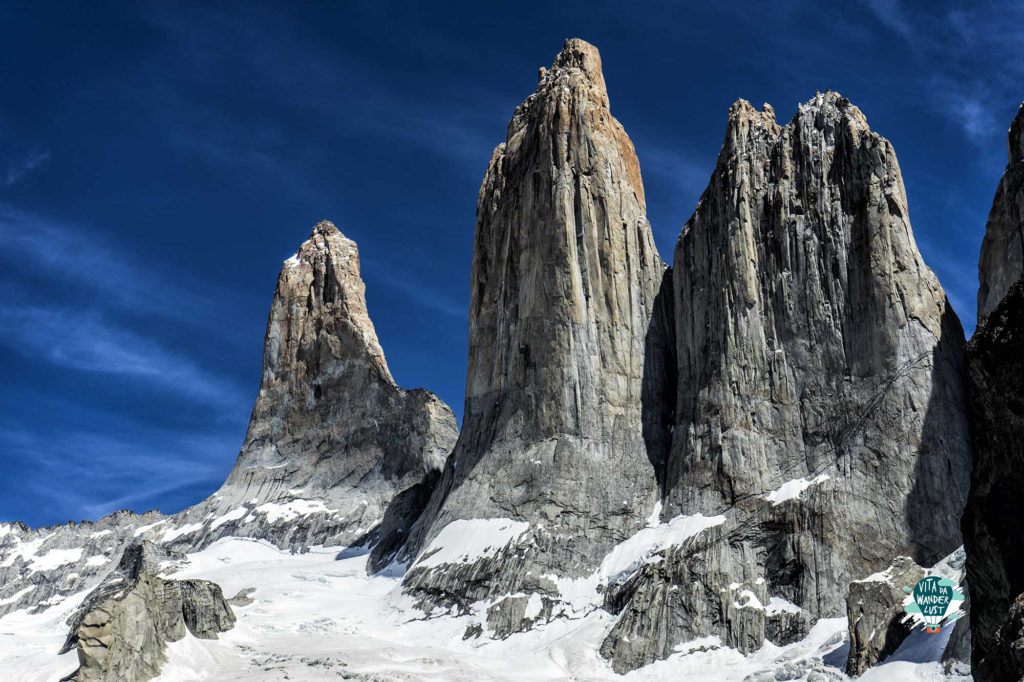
[[564, 280], [1002, 250], [336, 453], [810, 333], [820, 406], [332, 439]]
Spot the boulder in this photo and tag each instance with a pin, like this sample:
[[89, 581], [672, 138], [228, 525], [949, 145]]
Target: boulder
[[874, 608]]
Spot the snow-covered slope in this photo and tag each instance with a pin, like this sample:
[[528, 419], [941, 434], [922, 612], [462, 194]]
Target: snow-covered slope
[[321, 616]]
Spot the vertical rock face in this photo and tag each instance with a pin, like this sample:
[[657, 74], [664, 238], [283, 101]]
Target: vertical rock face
[[992, 522], [1002, 251], [812, 338], [564, 281], [820, 406], [995, 388], [332, 439]]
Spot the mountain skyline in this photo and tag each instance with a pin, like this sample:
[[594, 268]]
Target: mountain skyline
[[150, 192]]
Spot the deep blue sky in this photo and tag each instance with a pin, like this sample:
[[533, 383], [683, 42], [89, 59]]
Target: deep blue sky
[[158, 162]]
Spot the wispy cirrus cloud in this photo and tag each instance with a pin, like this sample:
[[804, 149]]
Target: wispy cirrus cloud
[[85, 341], [104, 321], [426, 294], [972, 51], [97, 469], [460, 129], [891, 15], [159, 420], [21, 166], [37, 245]]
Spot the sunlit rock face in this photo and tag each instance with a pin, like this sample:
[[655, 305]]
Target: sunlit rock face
[[333, 439], [565, 282], [819, 402]]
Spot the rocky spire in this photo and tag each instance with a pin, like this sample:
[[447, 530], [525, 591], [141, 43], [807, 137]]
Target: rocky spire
[[819, 397], [336, 454], [1002, 250], [332, 439], [564, 280]]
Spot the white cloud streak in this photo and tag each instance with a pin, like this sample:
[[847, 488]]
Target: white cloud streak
[[21, 167], [84, 341]]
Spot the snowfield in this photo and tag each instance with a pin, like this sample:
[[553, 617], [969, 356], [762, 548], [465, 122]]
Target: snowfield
[[319, 616]]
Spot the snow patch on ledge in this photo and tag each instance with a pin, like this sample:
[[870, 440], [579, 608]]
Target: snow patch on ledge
[[143, 529], [748, 600], [24, 550], [629, 554], [56, 558], [463, 541], [790, 490], [232, 515], [780, 605], [187, 529], [16, 596], [654, 519], [290, 510]]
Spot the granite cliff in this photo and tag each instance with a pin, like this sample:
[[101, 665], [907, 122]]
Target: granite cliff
[[556, 440], [820, 407]]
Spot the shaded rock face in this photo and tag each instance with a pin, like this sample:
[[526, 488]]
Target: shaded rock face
[[564, 281], [874, 608], [992, 522], [819, 402], [1002, 250], [122, 631], [1010, 644]]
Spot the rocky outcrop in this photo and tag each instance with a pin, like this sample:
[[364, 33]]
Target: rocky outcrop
[[819, 403], [40, 566], [707, 586], [122, 631], [874, 608], [991, 524], [1002, 250], [564, 282]]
